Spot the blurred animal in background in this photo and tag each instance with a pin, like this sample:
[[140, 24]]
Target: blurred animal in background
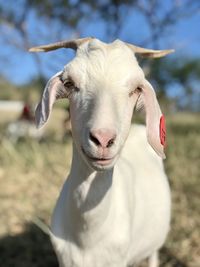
[[24, 126], [27, 114], [114, 208]]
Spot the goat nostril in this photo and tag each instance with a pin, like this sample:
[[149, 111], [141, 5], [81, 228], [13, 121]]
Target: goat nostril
[[110, 142], [94, 139]]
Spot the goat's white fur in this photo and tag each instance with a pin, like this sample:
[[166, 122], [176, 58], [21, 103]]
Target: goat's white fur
[[116, 214]]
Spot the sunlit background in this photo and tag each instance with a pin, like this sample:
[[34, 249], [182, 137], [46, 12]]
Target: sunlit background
[[34, 164]]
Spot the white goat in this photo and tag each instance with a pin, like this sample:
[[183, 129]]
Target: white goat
[[114, 208]]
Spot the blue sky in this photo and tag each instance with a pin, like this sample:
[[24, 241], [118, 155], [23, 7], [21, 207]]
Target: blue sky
[[184, 37]]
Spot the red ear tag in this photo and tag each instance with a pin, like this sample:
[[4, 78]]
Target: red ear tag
[[162, 131]]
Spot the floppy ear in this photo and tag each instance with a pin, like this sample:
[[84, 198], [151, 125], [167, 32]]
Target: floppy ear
[[154, 119], [53, 90]]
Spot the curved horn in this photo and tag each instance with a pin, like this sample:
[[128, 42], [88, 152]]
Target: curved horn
[[73, 44], [149, 52]]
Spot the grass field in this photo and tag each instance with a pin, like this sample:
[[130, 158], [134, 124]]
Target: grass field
[[32, 173]]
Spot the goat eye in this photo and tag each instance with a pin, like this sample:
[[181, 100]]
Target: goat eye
[[70, 86], [136, 90]]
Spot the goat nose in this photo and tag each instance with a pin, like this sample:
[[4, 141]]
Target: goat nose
[[102, 137]]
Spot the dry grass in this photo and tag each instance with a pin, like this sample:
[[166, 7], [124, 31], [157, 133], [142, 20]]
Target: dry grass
[[32, 173]]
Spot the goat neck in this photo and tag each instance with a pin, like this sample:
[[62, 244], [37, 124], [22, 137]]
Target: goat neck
[[90, 194]]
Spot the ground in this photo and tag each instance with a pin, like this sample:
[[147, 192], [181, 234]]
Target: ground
[[32, 173]]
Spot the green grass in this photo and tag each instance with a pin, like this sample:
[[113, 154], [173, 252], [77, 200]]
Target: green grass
[[32, 173]]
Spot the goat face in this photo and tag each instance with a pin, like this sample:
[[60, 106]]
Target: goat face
[[103, 83], [104, 79]]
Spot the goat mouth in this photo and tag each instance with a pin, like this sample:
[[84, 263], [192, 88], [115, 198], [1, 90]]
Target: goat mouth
[[99, 160], [102, 161]]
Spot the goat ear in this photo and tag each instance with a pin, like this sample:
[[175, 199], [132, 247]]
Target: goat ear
[[154, 119], [53, 90]]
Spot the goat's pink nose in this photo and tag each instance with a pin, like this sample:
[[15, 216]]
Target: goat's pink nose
[[103, 137]]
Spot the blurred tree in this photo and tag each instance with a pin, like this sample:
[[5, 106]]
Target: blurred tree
[[63, 19], [187, 73], [179, 80], [70, 15]]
